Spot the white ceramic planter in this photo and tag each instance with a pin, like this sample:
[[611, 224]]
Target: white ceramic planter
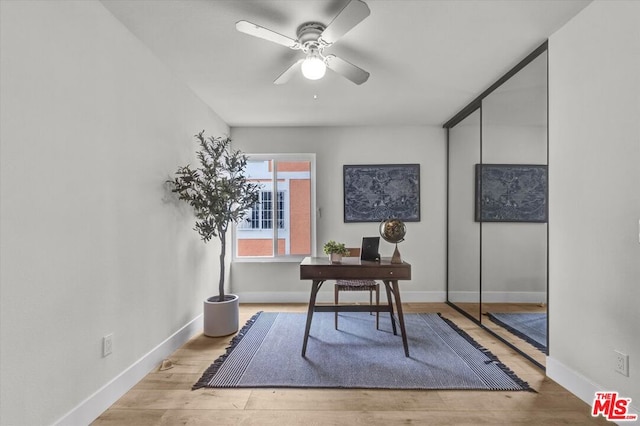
[[221, 318], [335, 257]]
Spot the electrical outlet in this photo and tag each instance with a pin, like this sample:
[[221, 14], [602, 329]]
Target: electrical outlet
[[107, 345], [621, 363]]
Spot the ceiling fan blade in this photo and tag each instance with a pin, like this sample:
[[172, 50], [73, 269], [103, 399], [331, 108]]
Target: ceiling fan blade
[[352, 14], [346, 69], [286, 75], [264, 33]]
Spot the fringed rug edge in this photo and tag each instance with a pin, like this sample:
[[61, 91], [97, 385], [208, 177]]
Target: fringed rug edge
[[213, 368], [492, 357]]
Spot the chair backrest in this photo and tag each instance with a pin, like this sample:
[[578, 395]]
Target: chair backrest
[[353, 252]]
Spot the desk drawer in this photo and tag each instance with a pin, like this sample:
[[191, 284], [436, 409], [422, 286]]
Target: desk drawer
[[310, 272], [391, 273]]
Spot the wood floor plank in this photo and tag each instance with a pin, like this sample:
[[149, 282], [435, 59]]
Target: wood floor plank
[[167, 380], [293, 417], [512, 401], [541, 417], [343, 399], [119, 417], [145, 399]]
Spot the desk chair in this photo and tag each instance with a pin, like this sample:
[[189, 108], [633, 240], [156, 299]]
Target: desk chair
[[358, 285]]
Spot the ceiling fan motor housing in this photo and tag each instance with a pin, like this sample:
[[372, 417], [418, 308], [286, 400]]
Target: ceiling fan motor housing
[[309, 35]]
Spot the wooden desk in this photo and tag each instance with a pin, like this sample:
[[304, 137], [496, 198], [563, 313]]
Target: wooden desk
[[320, 269]]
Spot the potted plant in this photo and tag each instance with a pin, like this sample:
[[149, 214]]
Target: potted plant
[[220, 194], [335, 251]]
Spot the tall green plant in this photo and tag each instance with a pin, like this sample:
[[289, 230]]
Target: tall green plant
[[218, 191]]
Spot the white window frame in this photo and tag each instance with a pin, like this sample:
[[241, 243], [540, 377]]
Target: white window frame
[[309, 157]]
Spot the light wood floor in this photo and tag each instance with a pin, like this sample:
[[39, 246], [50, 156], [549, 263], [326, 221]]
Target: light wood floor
[[166, 398]]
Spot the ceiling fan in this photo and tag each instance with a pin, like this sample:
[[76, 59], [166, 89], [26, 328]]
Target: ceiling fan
[[312, 39]]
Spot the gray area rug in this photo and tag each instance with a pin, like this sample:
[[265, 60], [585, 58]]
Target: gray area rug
[[267, 353], [531, 327]]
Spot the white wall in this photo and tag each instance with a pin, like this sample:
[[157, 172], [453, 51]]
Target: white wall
[[594, 130], [91, 126], [424, 245]]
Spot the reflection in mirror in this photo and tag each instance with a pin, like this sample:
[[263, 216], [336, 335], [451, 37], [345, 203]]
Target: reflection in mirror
[[514, 254], [463, 267]]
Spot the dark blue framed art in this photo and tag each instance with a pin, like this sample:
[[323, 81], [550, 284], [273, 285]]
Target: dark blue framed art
[[376, 192], [511, 193]]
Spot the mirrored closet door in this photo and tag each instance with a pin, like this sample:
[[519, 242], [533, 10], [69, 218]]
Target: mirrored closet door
[[497, 209]]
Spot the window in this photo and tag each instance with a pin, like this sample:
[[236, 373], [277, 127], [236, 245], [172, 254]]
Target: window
[[288, 195], [260, 216]]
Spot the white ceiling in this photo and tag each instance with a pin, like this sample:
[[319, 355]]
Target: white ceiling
[[427, 58]]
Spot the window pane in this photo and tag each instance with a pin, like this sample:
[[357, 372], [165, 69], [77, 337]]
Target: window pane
[[287, 199], [255, 216], [281, 209], [266, 208], [254, 236], [294, 200]]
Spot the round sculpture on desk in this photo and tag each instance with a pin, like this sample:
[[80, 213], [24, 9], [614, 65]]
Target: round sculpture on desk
[[393, 231]]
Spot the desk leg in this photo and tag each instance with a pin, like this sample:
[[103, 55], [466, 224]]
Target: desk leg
[[315, 287], [396, 293], [390, 301]]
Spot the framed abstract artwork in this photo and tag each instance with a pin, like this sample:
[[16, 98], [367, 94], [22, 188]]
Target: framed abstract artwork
[[511, 193], [376, 192]]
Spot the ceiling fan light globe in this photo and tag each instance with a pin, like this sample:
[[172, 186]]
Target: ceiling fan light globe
[[313, 68]]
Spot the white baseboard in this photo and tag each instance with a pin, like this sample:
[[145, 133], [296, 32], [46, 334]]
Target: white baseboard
[[577, 384], [89, 409], [514, 297], [327, 296], [499, 297]]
